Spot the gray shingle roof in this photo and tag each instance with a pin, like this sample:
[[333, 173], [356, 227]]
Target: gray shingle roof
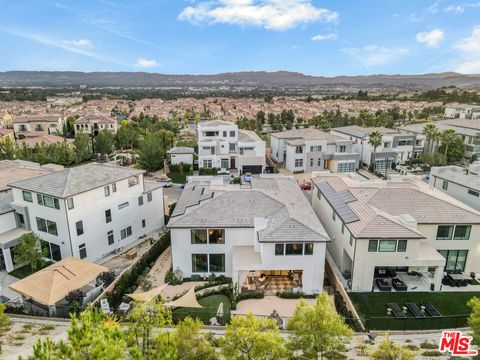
[[75, 180], [285, 209], [457, 175], [181, 150], [306, 134]]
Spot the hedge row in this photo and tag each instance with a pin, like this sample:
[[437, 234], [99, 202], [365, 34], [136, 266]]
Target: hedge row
[[130, 280]]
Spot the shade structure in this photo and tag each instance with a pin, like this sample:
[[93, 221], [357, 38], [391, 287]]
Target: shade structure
[[189, 300], [148, 295], [50, 285]]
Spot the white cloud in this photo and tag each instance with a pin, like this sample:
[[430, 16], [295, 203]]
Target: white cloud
[[374, 55], [431, 38], [146, 64], [85, 43], [323, 37], [470, 46], [433, 9], [270, 14], [460, 9], [469, 52]]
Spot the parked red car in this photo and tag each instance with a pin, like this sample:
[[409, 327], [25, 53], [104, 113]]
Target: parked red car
[[306, 186]]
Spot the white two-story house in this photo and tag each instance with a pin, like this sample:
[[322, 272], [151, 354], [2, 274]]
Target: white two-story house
[[222, 145], [414, 231], [265, 236], [313, 150], [397, 147], [41, 124], [89, 211]]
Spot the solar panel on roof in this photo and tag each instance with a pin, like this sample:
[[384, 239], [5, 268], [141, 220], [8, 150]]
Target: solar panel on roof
[[339, 200]]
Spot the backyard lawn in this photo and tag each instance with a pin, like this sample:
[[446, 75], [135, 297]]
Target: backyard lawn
[[452, 305], [210, 307], [25, 270]]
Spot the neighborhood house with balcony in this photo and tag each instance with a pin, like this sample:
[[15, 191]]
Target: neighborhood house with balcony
[[265, 235], [222, 145], [313, 150]]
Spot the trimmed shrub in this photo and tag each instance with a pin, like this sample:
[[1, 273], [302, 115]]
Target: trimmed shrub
[[208, 171], [258, 294]]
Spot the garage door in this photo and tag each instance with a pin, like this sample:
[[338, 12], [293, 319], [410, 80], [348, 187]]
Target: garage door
[[254, 169]]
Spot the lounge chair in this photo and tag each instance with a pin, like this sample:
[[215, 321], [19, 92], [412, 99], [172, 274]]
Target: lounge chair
[[397, 312], [383, 285], [415, 310], [399, 285], [432, 310]]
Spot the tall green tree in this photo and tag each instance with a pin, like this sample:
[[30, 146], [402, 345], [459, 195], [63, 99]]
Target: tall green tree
[[30, 251], [142, 319], [249, 338], [92, 335], [127, 136], [7, 149], [447, 137], [430, 130], [104, 142], [82, 148], [375, 139], [318, 329], [153, 149]]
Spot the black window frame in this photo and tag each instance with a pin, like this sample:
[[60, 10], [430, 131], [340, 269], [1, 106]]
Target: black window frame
[[279, 249], [110, 237], [308, 248], [195, 263], [79, 227], [372, 248], [402, 245], [193, 236], [216, 268], [82, 250], [211, 235], [108, 216], [27, 196], [298, 247]]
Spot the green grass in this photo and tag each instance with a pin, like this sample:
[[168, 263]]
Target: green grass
[[210, 306], [24, 271], [452, 305], [178, 178]]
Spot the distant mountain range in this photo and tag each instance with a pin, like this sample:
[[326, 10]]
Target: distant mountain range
[[258, 79]]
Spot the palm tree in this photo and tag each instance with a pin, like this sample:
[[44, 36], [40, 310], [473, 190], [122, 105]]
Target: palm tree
[[448, 136], [430, 130], [375, 138]]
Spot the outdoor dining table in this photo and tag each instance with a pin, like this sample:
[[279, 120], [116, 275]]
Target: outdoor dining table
[[460, 276]]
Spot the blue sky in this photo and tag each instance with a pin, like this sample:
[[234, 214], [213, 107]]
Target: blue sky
[[317, 37]]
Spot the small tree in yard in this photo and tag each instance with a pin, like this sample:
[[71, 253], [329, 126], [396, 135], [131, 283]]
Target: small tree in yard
[[30, 251], [318, 329], [388, 350], [375, 139], [249, 338], [191, 344]]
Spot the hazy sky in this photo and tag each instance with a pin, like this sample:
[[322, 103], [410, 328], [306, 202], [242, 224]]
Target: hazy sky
[[344, 37]]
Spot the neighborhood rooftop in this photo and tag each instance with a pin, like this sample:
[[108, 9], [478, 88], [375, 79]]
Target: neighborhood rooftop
[[248, 136], [306, 134], [16, 170], [181, 150], [362, 132], [75, 180], [286, 209], [457, 175], [371, 209]]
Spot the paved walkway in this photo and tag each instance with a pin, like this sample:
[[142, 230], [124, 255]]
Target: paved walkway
[[157, 277], [5, 281], [265, 306]]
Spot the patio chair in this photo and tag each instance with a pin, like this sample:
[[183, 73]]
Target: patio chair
[[399, 285], [214, 322], [415, 310], [105, 306], [383, 285], [397, 312], [432, 310]]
